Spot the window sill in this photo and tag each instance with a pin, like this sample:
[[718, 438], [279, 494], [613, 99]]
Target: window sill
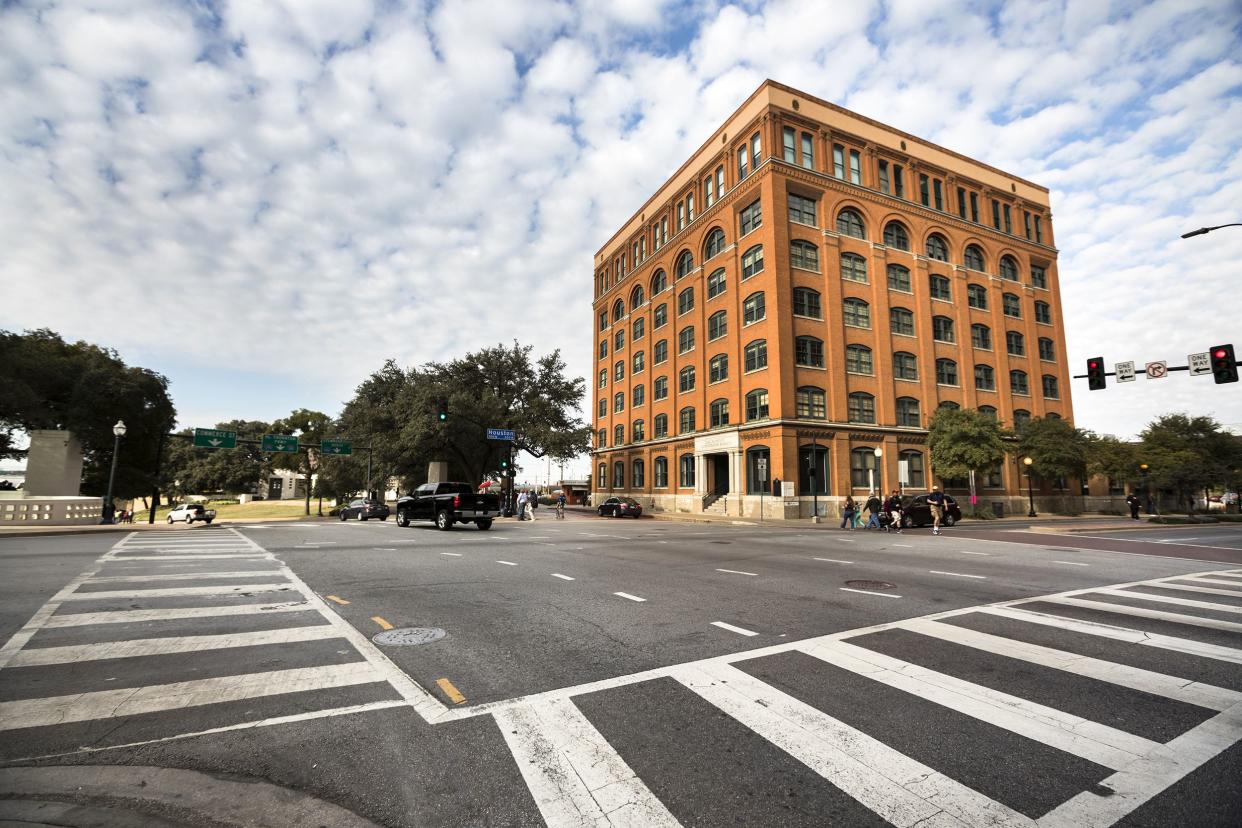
[[802, 223], [754, 370], [948, 385], [860, 373], [814, 270], [811, 367], [906, 379], [804, 316]]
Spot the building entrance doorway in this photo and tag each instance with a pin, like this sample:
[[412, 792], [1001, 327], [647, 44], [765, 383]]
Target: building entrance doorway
[[717, 474], [275, 488]]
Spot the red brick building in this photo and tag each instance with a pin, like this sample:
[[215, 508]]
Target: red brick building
[[807, 288]]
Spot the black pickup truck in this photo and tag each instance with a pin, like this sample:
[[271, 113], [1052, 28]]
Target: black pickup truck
[[448, 503]]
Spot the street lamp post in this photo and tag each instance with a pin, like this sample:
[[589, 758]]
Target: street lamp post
[[1203, 230], [1030, 492], [879, 452], [1146, 491], [109, 510]]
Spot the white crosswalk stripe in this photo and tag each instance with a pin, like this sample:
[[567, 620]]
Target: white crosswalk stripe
[[315, 638], [557, 748]]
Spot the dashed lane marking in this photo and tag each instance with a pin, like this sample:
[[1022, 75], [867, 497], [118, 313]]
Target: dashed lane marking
[[562, 577], [452, 554], [337, 599], [968, 552], [832, 560], [452, 692], [1071, 563], [507, 563], [869, 592], [738, 572], [731, 628], [384, 625], [630, 597], [958, 574]]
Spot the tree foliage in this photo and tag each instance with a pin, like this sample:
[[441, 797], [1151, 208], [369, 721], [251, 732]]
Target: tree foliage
[[1056, 448], [495, 387], [47, 383], [310, 427], [1112, 458], [189, 470], [962, 441], [1188, 454]]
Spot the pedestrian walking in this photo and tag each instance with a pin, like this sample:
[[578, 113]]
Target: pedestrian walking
[[936, 501], [1133, 502], [874, 507], [531, 501], [521, 505], [847, 514], [893, 508]]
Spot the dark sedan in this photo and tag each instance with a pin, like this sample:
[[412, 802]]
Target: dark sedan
[[365, 510], [917, 512], [619, 507]]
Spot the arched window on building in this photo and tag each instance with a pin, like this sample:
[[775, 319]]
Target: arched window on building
[[813, 457]]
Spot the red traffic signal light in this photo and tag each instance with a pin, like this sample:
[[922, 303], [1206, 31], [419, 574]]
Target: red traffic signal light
[[1224, 365], [1096, 380]]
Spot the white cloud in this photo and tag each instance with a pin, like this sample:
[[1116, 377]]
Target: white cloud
[[351, 181]]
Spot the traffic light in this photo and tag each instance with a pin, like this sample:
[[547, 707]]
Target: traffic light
[[442, 403], [1096, 380], [1224, 365], [504, 465]]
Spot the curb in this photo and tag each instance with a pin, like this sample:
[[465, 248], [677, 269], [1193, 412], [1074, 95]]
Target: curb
[[94, 528]]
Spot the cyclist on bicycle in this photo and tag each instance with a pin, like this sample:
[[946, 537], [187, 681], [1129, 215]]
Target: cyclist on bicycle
[[560, 506]]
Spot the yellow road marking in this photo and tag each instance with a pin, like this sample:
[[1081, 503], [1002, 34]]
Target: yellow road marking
[[383, 624], [336, 598], [452, 692]]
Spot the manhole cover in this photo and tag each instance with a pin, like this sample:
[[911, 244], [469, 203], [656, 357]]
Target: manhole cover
[[408, 636], [870, 584]]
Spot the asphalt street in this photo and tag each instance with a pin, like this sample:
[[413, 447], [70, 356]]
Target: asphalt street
[[617, 672]]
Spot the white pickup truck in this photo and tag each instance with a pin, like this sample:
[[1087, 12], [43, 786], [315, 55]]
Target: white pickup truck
[[190, 512]]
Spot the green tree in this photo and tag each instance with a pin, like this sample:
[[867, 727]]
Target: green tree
[[962, 441], [310, 427], [496, 387], [47, 383], [190, 470], [1112, 458], [1187, 455], [1057, 449]]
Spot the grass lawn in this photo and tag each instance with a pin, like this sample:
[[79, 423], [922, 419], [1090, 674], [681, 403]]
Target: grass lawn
[[254, 511]]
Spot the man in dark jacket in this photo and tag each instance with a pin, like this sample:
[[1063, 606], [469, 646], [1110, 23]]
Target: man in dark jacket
[[935, 500], [874, 507], [1133, 502]]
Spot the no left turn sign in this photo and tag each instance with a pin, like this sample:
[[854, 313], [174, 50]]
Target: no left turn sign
[[1157, 370]]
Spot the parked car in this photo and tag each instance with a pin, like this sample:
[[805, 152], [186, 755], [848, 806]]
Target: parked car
[[365, 509], [447, 504], [917, 512], [192, 512], [619, 507]]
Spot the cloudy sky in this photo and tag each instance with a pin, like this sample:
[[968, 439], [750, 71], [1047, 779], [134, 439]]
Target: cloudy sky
[[264, 200]]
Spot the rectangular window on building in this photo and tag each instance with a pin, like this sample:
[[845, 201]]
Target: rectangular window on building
[[924, 190], [642, 248], [751, 217], [664, 230], [743, 168], [681, 216], [838, 160], [938, 194], [886, 186], [1008, 222], [1026, 223], [855, 167], [996, 214], [720, 182], [801, 210], [974, 207], [808, 151], [690, 207], [791, 148], [708, 192], [899, 181], [961, 202], [1039, 233], [755, 147]]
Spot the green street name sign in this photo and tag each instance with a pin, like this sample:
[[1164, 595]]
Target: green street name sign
[[280, 442], [336, 447], [214, 438]]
